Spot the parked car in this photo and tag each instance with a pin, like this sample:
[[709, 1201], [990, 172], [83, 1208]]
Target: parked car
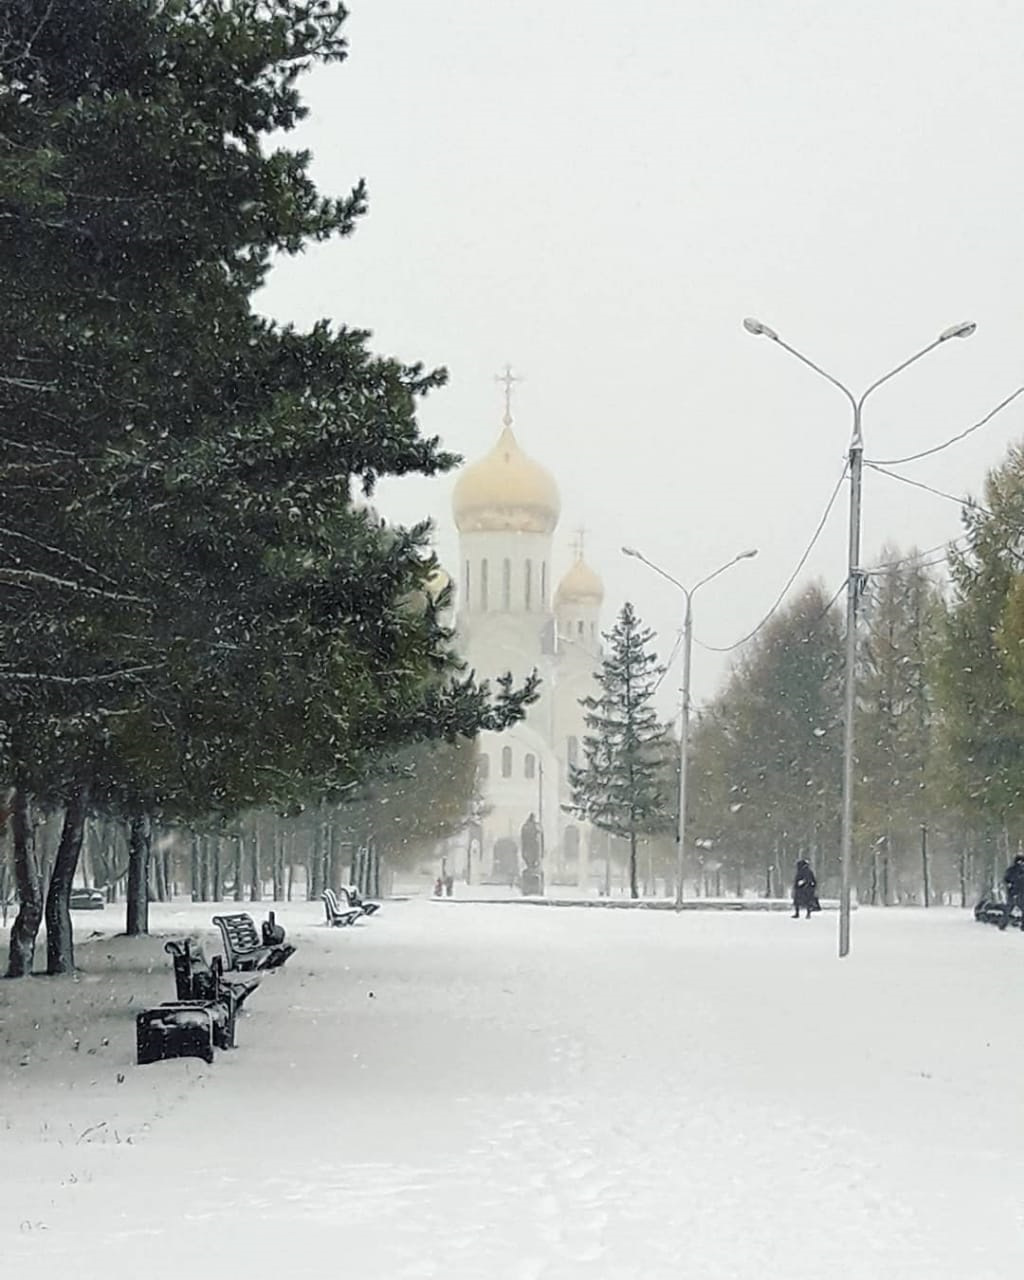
[[87, 900]]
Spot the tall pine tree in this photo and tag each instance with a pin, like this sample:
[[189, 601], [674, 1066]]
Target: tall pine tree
[[620, 787]]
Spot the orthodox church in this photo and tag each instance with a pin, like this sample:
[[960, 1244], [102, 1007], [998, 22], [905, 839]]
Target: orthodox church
[[512, 617]]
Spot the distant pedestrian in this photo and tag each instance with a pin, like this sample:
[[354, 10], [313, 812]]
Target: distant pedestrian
[[1013, 879], [805, 890]]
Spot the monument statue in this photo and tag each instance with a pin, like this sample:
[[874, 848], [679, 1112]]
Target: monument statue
[[530, 848]]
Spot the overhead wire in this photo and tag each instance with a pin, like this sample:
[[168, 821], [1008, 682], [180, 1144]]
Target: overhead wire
[[919, 557], [880, 465], [919, 484], [961, 435], [728, 648]]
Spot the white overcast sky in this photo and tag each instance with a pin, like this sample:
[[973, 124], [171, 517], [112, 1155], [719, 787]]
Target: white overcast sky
[[599, 192]]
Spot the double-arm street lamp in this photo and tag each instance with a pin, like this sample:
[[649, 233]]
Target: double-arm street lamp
[[684, 732], [854, 580]]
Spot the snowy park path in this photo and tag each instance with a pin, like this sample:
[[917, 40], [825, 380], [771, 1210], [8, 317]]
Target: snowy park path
[[458, 1091]]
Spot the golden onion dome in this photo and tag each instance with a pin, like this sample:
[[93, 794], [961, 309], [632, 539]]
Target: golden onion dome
[[506, 491], [581, 585]]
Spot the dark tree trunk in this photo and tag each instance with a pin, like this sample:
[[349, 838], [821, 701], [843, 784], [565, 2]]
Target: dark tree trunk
[[60, 940], [30, 889], [85, 857], [316, 886], [239, 889], [158, 863], [334, 860], [167, 868], [216, 874], [256, 863], [278, 863], [139, 838], [194, 869], [634, 891]]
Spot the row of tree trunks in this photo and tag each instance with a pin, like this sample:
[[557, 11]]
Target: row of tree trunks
[[55, 911], [365, 870]]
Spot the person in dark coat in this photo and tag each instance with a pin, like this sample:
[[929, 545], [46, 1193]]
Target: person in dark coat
[[1013, 879], [805, 890]]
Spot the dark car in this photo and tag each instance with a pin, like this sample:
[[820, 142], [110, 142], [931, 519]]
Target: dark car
[[87, 900]]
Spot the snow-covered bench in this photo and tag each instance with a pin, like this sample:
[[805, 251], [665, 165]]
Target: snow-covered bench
[[184, 1029], [356, 899], [244, 949], [338, 915], [196, 979], [990, 911]]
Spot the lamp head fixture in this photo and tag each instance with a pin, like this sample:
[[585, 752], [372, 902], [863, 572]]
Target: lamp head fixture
[[963, 330], [759, 330], [631, 551]]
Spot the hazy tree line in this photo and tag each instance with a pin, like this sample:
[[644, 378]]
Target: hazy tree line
[[939, 775], [393, 819], [940, 726], [197, 620]]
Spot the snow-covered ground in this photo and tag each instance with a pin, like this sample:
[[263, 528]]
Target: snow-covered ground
[[478, 1092]]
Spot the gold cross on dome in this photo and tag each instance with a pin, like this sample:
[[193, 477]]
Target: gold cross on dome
[[579, 542], [508, 379]]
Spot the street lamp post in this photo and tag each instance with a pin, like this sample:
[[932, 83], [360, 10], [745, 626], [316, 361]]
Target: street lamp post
[[854, 579], [684, 731]]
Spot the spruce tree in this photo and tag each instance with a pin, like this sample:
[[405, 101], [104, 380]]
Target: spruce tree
[[620, 787]]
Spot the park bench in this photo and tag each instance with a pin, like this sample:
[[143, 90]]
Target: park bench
[[196, 978], [244, 949], [990, 911], [356, 899], [338, 915], [184, 1029]]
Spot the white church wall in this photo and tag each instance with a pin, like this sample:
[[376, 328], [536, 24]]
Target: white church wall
[[505, 572]]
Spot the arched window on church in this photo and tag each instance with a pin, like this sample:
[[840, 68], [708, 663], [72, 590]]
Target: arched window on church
[[579, 628], [484, 765], [543, 583], [528, 585], [592, 635], [572, 750], [506, 762], [506, 585], [466, 585], [530, 765], [483, 586]]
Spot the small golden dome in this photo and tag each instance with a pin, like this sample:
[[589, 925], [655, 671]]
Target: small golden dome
[[581, 585], [506, 491]]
